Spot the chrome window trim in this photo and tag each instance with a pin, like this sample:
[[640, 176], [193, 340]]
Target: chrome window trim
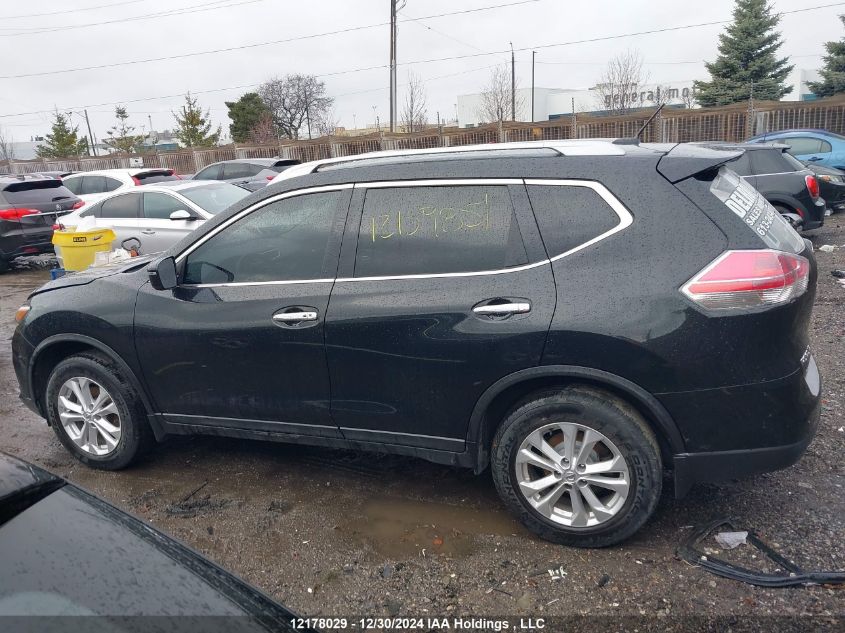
[[258, 205], [625, 220]]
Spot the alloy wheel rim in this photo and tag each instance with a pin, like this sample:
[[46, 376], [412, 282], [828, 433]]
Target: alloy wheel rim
[[572, 474], [89, 416]]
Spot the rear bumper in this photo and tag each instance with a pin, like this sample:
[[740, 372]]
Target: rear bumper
[[740, 431]]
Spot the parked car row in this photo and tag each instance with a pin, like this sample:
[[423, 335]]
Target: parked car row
[[534, 308]]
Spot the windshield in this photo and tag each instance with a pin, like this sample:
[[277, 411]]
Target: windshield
[[214, 197]]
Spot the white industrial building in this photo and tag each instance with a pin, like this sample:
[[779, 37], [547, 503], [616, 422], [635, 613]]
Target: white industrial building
[[552, 103]]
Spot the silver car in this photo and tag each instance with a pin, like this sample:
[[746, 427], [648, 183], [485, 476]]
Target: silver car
[[161, 214]]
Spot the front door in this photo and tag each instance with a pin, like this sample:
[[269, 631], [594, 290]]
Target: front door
[[239, 342], [444, 289], [158, 232]]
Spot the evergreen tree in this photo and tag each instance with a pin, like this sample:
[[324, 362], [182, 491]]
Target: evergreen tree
[[747, 63], [63, 141], [833, 73], [246, 114], [120, 137], [194, 127]]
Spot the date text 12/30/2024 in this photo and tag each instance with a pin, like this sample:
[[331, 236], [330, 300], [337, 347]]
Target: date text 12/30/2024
[[427, 623]]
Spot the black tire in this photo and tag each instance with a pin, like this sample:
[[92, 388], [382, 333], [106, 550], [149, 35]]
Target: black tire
[[617, 421], [4, 266], [136, 435], [783, 210]]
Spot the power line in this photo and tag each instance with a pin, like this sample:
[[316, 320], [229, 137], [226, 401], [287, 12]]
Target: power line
[[255, 45], [424, 61], [41, 15], [206, 6]]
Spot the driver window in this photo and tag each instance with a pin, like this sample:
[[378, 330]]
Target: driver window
[[284, 241]]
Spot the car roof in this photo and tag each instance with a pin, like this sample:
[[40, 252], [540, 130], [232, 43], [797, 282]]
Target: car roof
[[796, 131], [782, 147], [179, 185], [577, 147], [11, 179], [134, 171]]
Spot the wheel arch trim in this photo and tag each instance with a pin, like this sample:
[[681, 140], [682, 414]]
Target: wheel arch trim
[[56, 339], [643, 399]]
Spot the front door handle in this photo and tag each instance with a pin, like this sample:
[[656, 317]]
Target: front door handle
[[503, 308], [148, 232], [295, 317]]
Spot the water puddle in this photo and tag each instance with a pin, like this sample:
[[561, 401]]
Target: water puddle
[[399, 528]]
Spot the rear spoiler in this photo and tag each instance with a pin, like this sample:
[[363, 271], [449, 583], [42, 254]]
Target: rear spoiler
[[685, 160]]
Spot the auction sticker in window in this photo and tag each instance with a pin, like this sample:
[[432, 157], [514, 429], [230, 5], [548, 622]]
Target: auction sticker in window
[[750, 205]]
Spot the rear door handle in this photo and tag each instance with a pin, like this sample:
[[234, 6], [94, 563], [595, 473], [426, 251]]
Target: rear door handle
[[295, 317], [503, 308], [148, 232]]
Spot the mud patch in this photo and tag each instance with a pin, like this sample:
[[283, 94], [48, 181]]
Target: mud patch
[[399, 528], [194, 507]]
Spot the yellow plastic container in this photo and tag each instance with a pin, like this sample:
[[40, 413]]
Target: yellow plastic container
[[79, 248]]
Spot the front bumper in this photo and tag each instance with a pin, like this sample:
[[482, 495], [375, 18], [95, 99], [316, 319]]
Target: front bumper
[[22, 352], [740, 431]]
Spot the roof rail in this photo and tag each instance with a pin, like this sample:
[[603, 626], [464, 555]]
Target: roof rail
[[576, 147]]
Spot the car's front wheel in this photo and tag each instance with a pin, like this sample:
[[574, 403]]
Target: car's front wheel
[[95, 412], [578, 466]]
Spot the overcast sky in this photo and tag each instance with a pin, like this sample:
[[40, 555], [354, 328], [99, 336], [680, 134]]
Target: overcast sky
[[46, 43]]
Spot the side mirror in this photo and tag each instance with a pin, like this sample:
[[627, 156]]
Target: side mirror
[[163, 273], [181, 214]]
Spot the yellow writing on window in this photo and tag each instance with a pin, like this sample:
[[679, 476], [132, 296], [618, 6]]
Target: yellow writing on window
[[432, 220]]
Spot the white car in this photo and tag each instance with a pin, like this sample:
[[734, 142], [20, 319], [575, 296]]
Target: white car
[[92, 186], [158, 215]]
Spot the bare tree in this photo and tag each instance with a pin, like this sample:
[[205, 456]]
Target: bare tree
[[414, 115], [295, 103], [617, 87], [689, 97], [496, 98], [327, 123], [7, 147], [264, 131]]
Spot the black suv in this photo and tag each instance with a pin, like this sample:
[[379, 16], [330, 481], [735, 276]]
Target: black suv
[[29, 206], [576, 315], [787, 183]]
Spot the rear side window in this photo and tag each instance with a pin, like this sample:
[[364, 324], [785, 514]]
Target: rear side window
[[240, 170], [125, 206], [149, 177], [770, 161], [36, 192], [73, 184], [95, 184], [433, 230], [756, 212], [801, 145], [212, 172], [569, 216], [284, 241], [742, 165]]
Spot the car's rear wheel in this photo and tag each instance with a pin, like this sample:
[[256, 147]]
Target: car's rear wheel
[[578, 466], [96, 413], [4, 265]]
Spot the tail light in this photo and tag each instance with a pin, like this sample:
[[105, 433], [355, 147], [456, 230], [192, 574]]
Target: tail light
[[270, 177], [57, 227], [16, 214], [812, 186], [79, 204], [749, 279], [136, 181]]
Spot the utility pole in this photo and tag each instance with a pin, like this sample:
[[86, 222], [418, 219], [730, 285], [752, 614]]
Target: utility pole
[[513, 85], [153, 139], [533, 53], [393, 65], [90, 136]]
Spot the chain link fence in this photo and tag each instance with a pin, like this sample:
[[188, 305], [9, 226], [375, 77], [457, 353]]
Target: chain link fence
[[732, 123]]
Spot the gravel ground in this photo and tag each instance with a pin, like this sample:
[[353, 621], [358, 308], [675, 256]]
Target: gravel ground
[[331, 532]]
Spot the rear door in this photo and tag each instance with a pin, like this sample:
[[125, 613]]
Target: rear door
[[158, 231], [122, 213], [444, 289]]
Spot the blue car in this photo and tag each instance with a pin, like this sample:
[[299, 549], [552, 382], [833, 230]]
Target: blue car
[[819, 147]]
